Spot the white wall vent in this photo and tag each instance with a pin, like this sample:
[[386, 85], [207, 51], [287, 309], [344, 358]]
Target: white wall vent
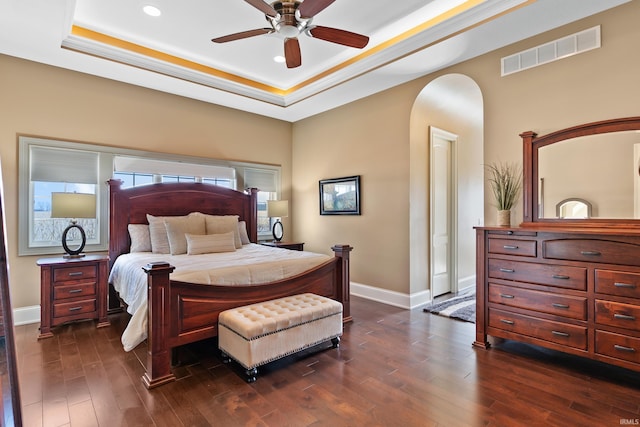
[[552, 51]]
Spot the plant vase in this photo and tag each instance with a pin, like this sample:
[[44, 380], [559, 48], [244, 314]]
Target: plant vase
[[504, 218]]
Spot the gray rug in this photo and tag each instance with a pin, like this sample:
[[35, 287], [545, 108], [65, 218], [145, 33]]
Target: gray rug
[[462, 307]]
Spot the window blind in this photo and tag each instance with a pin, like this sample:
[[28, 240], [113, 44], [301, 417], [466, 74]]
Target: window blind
[[161, 167], [61, 165], [262, 179]]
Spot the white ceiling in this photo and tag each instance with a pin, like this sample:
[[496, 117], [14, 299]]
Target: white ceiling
[[174, 53]]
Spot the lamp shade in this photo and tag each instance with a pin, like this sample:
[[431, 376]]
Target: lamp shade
[[277, 208], [73, 205]]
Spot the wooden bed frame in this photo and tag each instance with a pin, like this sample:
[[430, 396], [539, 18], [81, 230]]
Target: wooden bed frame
[[180, 312]]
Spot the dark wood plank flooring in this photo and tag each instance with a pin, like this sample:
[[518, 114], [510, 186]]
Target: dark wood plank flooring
[[394, 367]]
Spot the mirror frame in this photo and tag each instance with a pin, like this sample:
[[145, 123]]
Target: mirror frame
[[531, 143]]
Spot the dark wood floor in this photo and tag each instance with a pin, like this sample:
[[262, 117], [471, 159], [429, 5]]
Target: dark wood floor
[[394, 368]]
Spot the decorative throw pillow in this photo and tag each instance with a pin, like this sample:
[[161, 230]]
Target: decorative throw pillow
[[217, 224], [158, 235], [242, 229], [140, 239], [177, 227], [210, 243]]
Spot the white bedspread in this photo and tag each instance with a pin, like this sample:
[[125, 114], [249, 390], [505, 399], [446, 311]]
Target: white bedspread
[[251, 265]]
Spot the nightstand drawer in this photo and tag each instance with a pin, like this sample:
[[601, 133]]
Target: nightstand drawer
[[64, 274], [73, 291], [72, 308]]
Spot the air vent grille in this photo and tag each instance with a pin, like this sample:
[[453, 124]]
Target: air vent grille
[[552, 51]]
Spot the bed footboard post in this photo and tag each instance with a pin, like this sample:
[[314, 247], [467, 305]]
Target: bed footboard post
[[158, 364], [343, 279]]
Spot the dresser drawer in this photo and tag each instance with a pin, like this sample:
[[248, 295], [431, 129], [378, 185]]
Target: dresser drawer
[[619, 283], [61, 292], [64, 274], [561, 305], [618, 314], [562, 276], [618, 346], [589, 250], [513, 247], [555, 332], [67, 309]]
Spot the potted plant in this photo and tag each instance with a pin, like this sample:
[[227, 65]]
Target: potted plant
[[506, 185]]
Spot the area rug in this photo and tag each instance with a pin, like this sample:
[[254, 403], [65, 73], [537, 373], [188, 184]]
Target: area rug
[[462, 307]]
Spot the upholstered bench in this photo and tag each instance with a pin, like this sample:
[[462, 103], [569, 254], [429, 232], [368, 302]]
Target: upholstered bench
[[260, 333]]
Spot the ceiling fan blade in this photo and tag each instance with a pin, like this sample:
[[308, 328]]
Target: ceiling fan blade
[[242, 35], [263, 7], [310, 8], [292, 53], [334, 35]]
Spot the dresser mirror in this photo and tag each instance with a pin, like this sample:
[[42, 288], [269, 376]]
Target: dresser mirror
[[585, 175]]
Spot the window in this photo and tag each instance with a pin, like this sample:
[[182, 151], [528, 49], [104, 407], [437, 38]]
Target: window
[[47, 166]]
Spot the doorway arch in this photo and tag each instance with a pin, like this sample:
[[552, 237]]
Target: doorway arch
[[452, 102]]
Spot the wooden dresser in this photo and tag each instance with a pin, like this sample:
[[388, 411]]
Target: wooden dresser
[[576, 291]]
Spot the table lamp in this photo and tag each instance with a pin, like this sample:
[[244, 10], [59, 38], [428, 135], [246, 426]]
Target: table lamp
[[277, 209], [73, 206]]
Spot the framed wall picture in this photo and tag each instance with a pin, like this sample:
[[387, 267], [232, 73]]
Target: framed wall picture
[[340, 196]]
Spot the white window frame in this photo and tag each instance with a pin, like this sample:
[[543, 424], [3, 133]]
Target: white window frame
[[106, 170]]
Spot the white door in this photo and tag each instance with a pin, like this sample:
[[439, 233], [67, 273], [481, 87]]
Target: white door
[[443, 217]]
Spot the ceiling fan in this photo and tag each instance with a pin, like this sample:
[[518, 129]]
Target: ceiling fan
[[289, 19]]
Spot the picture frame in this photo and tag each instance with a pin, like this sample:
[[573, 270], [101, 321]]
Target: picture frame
[[340, 196]]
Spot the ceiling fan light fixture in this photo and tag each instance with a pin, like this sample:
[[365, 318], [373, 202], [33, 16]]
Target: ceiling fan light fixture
[[152, 10], [279, 59]]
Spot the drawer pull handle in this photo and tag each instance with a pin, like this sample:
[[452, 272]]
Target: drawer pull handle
[[507, 270], [623, 317], [76, 273], [624, 285], [509, 232], [75, 308], [558, 305], [508, 322], [561, 277], [75, 291], [560, 334], [507, 296], [510, 247], [590, 253], [623, 348]]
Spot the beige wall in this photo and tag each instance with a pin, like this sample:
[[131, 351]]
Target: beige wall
[[47, 101], [370, 137]]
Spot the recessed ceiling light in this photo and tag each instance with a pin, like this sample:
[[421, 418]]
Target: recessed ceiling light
[[152, 10], [279, 58]]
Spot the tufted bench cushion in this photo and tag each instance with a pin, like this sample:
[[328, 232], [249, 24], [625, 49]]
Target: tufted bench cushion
[[260, 333]]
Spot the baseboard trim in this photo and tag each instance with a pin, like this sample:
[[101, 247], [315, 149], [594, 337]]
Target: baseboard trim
[[385, 296], [26, 315]]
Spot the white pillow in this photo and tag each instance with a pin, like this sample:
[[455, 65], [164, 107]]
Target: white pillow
[[242, 229], [217, 224], [210, 243], [177, 227], [158, 235], [140, 239]]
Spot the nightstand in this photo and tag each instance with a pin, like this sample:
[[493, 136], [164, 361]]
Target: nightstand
[[72, 289], [294, 246]]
